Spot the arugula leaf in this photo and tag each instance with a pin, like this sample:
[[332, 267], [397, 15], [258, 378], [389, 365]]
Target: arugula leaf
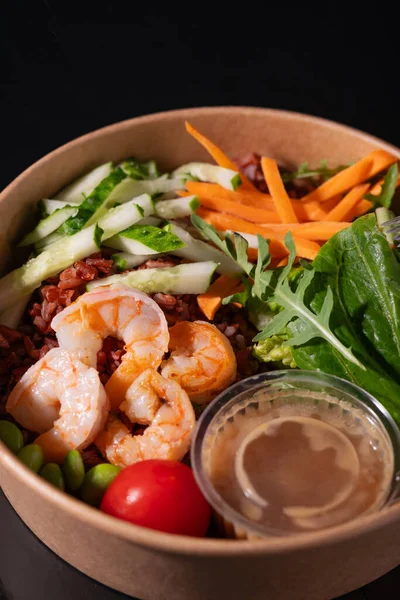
[[304, 171], [385, 197], [269, 286]]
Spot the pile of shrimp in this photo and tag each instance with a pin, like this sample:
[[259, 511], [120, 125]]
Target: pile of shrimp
[[62, 399]]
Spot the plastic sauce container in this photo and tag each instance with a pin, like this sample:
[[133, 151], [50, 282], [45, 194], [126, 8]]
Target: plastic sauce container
[[289, 452]]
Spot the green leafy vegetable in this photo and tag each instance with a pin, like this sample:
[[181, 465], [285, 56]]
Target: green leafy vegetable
[[385, 197], [139, 170], [273, 285], [362, 271], [304, 171]]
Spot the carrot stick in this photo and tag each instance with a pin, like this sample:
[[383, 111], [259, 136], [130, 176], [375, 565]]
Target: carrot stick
[[315, 230], [211, 301], [218, 155], [279, 195], [369, 166], [255, 215], [254, 199], [305, 248], [213, 190], [346, 205]]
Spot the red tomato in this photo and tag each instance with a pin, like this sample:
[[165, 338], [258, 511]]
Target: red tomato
[[159, 494]]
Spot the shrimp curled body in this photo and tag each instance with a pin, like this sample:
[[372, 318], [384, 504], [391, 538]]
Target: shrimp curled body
[[62, 399], [202, 360], [163, 405], [121, 312]]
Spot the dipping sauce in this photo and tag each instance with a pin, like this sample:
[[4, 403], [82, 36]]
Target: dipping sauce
[[297, 460]]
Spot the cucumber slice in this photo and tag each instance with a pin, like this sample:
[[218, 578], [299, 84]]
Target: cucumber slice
[[77, 191], [121, 217], [48, 225], [48, 207], [145, 239], [62, 254], [11, 316], [130, 188], [194, 278], [155, 221], [48, 241], [197, 250], [228, 178], [177, 208], [95, 205], [250, 238], [138, 170], [124, 260]]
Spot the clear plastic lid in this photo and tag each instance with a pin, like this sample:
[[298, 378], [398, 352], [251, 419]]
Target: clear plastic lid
[[287, 452]]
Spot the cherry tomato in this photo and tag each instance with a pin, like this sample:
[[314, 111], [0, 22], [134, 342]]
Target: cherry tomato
[[159, 494]]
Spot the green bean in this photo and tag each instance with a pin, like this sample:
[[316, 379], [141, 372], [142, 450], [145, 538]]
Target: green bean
[[74, 470], [97, 481], [11, 436], [32, 456], [53, 474]]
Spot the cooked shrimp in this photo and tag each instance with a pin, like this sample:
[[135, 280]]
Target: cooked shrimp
[[202, 360], [121, 312], [165, 407], [62, 399]]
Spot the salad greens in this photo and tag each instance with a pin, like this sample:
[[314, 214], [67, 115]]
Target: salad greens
[[385, 197], [303, 171], [275, 349], [273, 285], [341, 316]]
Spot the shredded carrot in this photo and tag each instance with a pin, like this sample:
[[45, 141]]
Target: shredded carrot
[[210, 301], [361, 171], [213, 190], [218, 155], [346, 205], [255, 215], [279, 195], [315, 230], [305, 248], [254, 199], [362, 207]]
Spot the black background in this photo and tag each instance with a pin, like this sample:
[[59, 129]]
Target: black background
[[67, 68]]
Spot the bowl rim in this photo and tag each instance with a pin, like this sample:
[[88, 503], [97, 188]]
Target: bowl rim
[[178, 544]]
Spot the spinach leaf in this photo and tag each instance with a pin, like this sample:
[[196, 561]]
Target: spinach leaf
[[360, 266]]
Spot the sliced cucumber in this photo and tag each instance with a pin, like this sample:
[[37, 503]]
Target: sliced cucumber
[[48, 241], [48, 207], [228, 178], [138, 170], [145, 239], [197, 250], [48, 225], [77, 191], [193, 278], [62, 254], [250, 238], [12, 315], [155, 221], [124, 260], [177, 207], [95, 205], [130, 188], [121, 217]]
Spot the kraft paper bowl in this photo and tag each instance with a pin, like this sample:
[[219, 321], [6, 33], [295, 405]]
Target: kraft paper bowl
[[149, 564]]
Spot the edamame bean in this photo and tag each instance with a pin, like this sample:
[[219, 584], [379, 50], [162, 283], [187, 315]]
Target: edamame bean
[[74, 470], [11, 436], [53, 474], [32, 456], [97, 481]]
